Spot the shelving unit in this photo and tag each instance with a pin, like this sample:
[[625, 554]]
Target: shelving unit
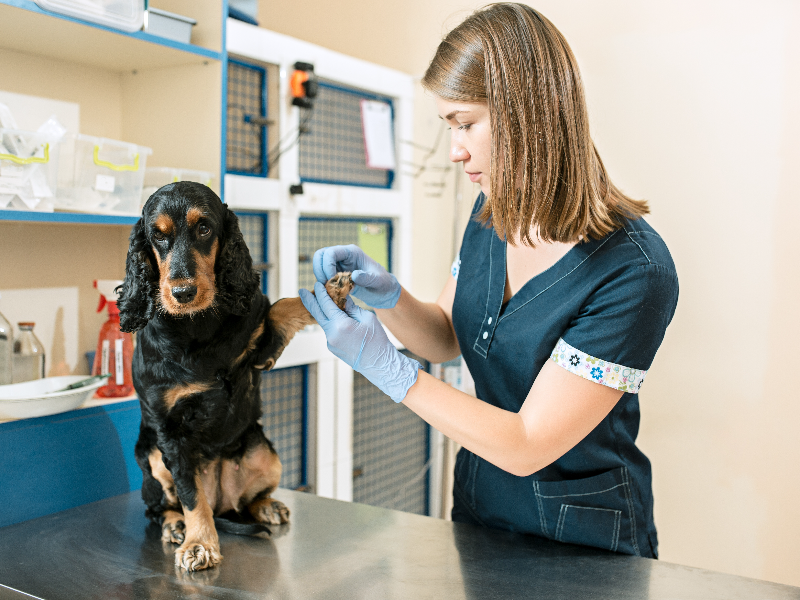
[[135, 87], [73, 40], [173, 98]]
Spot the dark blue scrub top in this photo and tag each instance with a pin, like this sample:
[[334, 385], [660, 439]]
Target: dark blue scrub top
[[601, 312]]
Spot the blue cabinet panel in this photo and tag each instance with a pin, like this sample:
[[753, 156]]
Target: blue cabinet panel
[[53, 463]]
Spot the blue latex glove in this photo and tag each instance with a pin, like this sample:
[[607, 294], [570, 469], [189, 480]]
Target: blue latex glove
[[357, 337], [374, 285]]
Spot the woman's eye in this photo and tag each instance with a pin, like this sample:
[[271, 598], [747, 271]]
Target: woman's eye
[[465, 127], [204, 230]]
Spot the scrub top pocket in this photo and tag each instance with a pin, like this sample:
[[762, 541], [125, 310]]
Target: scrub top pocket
[[596, 511]]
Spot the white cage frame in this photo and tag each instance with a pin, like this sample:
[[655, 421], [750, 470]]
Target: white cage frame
[[331, 413]]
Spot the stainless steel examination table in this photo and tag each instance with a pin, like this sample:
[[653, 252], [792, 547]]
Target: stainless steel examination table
[[335, 550]]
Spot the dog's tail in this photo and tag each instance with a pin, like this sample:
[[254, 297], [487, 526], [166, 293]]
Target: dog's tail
[[240, 528]]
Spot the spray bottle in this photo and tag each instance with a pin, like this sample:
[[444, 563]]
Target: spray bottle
[[114, 347]]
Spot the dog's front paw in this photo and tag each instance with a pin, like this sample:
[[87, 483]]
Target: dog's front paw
[[339, 287], [270, 511], [195, 556], [173, 529]]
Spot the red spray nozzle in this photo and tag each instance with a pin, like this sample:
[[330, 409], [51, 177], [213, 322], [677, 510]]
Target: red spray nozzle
[[108, 293]]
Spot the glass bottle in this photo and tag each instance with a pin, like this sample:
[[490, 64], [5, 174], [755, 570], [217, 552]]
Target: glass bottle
[[28, 354], [6, 350]]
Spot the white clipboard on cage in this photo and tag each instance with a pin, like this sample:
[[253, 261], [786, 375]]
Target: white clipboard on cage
[[376, 122]]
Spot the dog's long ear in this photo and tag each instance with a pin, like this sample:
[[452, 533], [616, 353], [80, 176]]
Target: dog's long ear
[[137, 300], [237, 281]]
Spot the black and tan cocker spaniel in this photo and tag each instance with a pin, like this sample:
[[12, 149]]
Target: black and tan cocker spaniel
[[206, 332]]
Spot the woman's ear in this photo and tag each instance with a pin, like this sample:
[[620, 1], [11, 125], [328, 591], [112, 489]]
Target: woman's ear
[[137, 294], [237, 281]]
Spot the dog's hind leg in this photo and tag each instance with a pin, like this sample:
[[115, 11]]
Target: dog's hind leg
[[261, 468], [173, 529]]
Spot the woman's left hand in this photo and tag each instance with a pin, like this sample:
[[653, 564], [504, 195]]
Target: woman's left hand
[[356, 336]]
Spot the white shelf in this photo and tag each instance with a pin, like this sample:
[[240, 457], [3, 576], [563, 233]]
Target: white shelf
[[64, 217], [24, 27]]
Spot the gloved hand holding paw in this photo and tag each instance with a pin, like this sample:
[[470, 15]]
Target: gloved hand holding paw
[[356, 336], [374, 285]]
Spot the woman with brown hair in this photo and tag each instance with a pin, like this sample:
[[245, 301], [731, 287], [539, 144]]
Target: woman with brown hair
[[558, 301]]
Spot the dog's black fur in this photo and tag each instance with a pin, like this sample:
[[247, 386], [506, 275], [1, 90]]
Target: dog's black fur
[[205, 334]]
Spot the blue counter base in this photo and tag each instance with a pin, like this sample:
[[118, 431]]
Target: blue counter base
[[53, 463]]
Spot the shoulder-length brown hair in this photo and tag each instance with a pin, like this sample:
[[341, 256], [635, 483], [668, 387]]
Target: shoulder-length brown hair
[[545, 169]]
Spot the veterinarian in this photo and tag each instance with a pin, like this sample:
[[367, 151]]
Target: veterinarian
[[557, 303]]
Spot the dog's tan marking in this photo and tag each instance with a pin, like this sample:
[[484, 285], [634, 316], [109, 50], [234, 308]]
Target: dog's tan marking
[[172, 395], [209, 475], [163, 476], [200, 549], [163, 267], [251, 344], [164, 224], [193, 215], [205, 278], [164, 283], [173, 529], [257, 473]]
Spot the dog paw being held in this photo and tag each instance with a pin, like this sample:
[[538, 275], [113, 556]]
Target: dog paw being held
[[205, 334]]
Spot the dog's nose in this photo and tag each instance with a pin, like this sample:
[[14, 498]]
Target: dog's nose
[[184, 293]]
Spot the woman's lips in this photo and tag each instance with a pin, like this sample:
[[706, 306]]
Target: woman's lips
[[474, 177]]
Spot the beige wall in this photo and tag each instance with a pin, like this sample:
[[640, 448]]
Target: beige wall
[[694, 107]]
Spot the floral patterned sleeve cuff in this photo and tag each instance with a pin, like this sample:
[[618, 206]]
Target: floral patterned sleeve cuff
[[456, 266], [615, 376]]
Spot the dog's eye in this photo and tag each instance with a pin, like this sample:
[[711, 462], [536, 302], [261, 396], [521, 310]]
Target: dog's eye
[[159, 236], [204, 230]]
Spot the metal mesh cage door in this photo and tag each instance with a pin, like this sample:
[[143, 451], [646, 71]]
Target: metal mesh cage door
[[246, 142], [284, 405], [332, 146], [390, 450]]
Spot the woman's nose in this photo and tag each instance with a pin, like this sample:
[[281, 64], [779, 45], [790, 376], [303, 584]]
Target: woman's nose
[[457, 152]]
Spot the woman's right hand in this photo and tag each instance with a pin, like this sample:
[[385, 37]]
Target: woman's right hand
[[374, 285]]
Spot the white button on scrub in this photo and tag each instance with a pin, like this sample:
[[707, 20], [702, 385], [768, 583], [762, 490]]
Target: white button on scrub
[[485, 334], [489, 321]]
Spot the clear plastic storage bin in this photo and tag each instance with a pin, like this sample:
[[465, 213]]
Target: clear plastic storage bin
[[106, 176], [28, 169], [127, 15], [157, 177]]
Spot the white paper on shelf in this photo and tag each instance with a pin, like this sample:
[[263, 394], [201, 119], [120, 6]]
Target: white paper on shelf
[[376, 121]]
